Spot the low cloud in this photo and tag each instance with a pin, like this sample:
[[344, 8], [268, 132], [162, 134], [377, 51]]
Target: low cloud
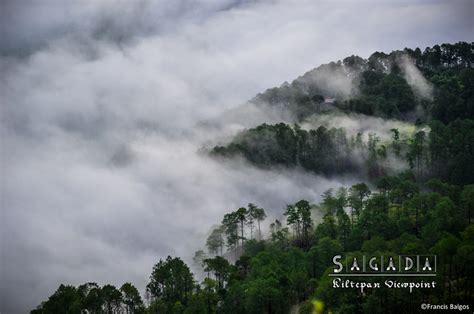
[[421, 87], [359, 123], [101, 127]]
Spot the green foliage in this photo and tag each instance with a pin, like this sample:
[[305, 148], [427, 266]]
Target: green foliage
[[112, 298], [325, 151], [451, 151], [427, 210], [288, 269], [65, 300], [264, 145], [444, 150], [220, 267], [131, 298], [171, 282], [299, 216], [93, 299], [381, 94], [255, 213], [232, 222], [230, 225], [215, 241], [467, 201]]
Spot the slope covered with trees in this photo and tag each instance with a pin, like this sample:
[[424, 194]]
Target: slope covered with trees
[[425, 207], [432, 89]]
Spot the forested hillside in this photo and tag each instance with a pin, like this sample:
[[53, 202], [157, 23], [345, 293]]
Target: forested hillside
[[415, 196], [431, 89]]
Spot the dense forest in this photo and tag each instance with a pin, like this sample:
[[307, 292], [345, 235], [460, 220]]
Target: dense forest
[[415, 197]]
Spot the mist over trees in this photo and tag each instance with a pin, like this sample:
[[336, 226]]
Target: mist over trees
[[442, 119], [415, 196]]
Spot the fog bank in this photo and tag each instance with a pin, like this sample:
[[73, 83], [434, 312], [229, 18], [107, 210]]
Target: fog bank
[[101, 110]]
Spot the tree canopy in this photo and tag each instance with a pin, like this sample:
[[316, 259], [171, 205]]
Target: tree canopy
[[415, 196]]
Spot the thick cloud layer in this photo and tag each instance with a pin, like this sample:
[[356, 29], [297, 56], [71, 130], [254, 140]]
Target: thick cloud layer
[[100, 102]]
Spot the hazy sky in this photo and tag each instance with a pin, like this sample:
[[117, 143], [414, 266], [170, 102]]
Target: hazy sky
[[101, 174]]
